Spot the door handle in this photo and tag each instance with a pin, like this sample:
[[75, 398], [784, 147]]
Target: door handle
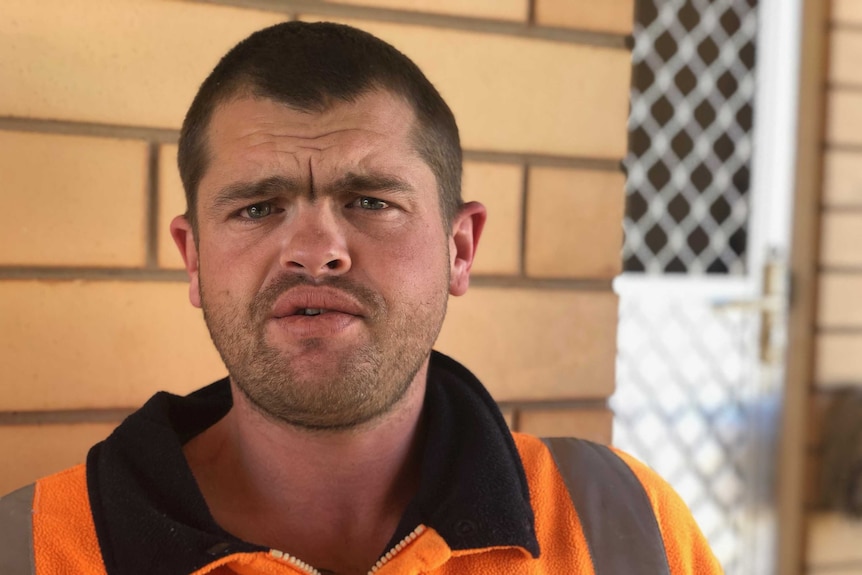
[[772, 307]]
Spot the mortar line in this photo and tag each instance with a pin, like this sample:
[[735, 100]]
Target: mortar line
[[838, 330], [117, 414], [842, 147], [587, 403], [844, 87], [75, 128], [168, 136], [30, 273], [23, 273], [516, 417], [153, 206], [839, 269], [545, 160], [522, 231], [64, 416], [833, 209]]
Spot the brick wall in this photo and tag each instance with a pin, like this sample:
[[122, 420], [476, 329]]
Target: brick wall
[[93, 300], [833, 541]]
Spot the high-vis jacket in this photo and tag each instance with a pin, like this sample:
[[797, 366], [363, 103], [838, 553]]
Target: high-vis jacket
[[489, 502]]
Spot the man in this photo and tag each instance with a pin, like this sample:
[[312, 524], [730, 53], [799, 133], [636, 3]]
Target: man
[[324, 234]]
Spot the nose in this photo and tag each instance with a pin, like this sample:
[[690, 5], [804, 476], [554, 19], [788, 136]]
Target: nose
[[315, 243]]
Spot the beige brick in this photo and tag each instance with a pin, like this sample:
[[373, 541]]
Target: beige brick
[[842, 179], [522, 94], [40, 450], [495, 9], [833, 540], [592, 424], [845, 53], [574, 223], [615, 16], [840, 302], [67, 345], [844, 117], [846, 12], [535, 344], [838, 360], [841, 239], [500, 188], [134, 62], [172, 202], [72, 201]]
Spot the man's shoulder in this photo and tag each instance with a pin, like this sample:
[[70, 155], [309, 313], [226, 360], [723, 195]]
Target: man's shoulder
[[16, 505], [51, 515], [591, 461], [71, 483], [16, 530], [616, 496], [18, 516], [581, 463]]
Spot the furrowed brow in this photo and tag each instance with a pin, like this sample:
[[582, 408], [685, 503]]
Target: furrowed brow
[[240, 192], [361, 183]]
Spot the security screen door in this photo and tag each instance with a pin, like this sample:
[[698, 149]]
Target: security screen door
[[702, 300]]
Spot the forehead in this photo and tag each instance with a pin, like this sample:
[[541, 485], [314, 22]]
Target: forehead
[[376, 118], [251, 138]]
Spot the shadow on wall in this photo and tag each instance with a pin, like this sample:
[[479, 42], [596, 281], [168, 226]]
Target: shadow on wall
[[840, 486]]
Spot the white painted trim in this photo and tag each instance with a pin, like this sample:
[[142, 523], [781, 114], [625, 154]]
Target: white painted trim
[[775, 131]]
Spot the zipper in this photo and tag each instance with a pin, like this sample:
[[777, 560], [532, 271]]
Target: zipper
[[386, 558], [395, 550], [296, 562]]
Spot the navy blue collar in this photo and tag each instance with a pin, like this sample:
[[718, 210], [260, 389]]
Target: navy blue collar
[[150, 516]]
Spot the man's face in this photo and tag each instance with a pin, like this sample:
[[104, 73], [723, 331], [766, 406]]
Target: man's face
[[321, 264]]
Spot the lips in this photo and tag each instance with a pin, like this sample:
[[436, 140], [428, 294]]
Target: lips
[[307, 301]]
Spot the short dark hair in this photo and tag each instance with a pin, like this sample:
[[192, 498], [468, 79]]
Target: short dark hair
[[311, 66]]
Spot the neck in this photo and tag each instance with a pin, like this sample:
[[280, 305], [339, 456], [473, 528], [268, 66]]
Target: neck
[[330, 498]]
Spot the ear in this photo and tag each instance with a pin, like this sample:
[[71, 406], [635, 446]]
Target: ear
[[181, 230], [466, 229]]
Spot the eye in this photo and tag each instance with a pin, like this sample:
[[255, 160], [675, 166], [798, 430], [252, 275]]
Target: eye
[[256, 211], [367, 203]]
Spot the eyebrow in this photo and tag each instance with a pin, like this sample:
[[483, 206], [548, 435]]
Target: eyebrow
[[244, 191], [240, 192], [359, 183]]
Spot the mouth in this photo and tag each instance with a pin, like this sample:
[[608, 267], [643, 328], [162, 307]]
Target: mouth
[[305, 323], [300, 312], [311, 311], [305, 302]]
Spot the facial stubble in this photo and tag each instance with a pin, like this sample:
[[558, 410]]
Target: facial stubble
[[353, 387]]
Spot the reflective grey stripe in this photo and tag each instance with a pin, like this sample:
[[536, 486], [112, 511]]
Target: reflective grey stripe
[[16, 532], [618, 520]]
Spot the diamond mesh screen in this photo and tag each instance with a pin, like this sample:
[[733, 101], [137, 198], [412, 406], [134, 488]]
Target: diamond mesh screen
[[685, 404], [687, 375], [690, 136]]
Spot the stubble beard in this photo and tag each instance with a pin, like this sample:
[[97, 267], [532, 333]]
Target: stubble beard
[[354, 387]]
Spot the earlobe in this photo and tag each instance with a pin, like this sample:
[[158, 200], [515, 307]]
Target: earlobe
[[181, 231], [466, 230]]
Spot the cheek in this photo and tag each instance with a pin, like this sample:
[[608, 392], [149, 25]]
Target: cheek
[[411, 264], [229, 275], [415, 245]]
